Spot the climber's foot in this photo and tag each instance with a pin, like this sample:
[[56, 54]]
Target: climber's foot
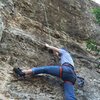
[[19, 72]]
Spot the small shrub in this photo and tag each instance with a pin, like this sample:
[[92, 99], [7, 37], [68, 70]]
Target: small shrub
[[96, 11], [92, 46]]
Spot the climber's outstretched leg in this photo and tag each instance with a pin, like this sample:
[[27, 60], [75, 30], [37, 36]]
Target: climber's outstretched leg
[[55, 71], [52, 70]]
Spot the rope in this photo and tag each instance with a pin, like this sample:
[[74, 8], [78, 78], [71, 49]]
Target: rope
[[45, 16]]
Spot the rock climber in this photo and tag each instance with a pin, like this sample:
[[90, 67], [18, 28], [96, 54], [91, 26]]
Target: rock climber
[[65, 71]]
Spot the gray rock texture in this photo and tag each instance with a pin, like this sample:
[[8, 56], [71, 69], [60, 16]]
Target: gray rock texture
[[25, 25]]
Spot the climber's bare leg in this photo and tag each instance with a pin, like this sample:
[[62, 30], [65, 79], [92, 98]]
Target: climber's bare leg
[[28, 72]]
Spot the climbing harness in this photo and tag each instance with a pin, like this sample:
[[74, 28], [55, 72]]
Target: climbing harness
[[80, 80], [61, 71]]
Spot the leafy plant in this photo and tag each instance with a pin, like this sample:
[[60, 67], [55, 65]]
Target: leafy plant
[[92, 46], [96, 11], [98, 59]]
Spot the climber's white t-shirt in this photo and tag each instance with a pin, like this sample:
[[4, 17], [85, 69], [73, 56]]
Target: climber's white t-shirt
[[66, 57]]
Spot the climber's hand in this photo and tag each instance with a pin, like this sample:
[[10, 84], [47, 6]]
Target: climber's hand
[[46, 45], [52, 47]]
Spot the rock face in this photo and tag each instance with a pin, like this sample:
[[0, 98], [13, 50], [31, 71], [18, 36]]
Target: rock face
[[25, 25]]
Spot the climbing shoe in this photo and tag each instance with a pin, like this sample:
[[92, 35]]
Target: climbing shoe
[[19, 72], [80, 81]]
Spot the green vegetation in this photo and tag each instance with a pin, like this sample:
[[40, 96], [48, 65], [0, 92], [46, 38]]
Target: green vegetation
[[96, 11], [92, 46], [98, 59]]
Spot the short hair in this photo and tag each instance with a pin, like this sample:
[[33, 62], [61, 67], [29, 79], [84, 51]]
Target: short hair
[[50, 51]]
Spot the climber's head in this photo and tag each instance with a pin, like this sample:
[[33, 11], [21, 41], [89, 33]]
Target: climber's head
[[50, 51], [54, 52]]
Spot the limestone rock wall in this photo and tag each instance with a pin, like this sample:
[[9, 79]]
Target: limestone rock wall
[[25, 25]]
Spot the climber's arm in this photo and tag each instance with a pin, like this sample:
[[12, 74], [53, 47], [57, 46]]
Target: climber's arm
[[53, 48]]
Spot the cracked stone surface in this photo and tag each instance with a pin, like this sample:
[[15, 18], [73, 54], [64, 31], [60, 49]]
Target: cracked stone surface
[[25, 25]]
